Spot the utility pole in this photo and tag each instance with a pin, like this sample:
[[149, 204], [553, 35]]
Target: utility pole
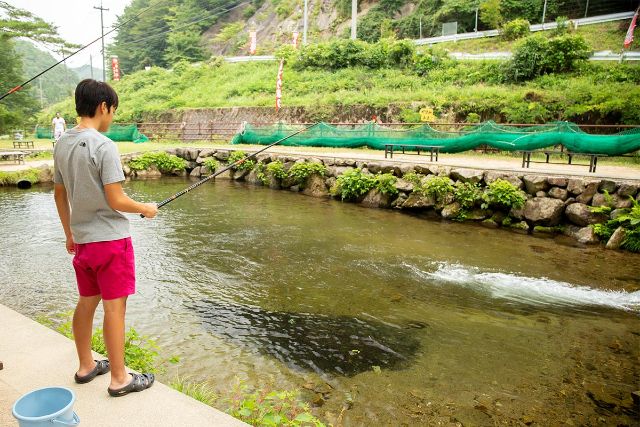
[[544, 12], [41, 97], [586, 9], [304, 23], [420, 26], [476, 27], [104, 68], [354, 17]]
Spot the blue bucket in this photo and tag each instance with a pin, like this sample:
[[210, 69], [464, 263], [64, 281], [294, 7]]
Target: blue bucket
[[46, 406]]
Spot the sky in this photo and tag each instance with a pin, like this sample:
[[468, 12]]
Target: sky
[[77, 22]]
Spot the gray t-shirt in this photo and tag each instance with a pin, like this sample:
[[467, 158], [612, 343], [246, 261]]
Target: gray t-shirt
[[85, 161]]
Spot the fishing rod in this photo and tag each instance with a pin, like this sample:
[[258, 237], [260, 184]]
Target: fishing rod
[[236, 163]]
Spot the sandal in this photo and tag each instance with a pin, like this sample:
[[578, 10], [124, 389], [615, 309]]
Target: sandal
[[102, 367], [139, 382]]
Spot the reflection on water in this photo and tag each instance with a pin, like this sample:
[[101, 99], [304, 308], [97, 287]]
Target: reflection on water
[[324, 344], [468, 325]]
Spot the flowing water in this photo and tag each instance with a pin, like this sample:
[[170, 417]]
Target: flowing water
[[380, 318]]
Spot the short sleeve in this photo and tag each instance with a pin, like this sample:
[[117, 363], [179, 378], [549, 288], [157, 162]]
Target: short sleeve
[[57, 176], [108, 162]]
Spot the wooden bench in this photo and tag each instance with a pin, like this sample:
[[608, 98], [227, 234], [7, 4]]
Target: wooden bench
[[16, 156], [20, 143], [593, 158], [433, 150]]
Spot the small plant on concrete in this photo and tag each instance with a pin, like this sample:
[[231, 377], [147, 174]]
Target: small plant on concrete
[[301, 171], [211, 164], [163, 161], [503, 194], [438, 187], [353, 184], [246, 165], [386, 184]]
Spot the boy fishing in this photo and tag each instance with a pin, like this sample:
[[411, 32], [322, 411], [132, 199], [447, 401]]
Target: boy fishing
[[89, 197]]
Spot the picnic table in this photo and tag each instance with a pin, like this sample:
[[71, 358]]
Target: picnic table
[[433, 150], [17, 156], [593, 158], [18, 143]]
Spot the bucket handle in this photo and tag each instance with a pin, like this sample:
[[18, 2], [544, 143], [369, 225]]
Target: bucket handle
[[75, 422]]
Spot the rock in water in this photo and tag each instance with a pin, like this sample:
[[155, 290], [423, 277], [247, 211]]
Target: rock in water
[[324, 344]]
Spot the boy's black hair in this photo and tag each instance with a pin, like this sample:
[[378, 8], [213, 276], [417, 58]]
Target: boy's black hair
[[91, 93]]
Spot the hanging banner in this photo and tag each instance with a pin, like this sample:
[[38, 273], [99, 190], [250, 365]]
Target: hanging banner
[[295, 39], [629, 37], [254, 44], [115, 68], [279, 86]]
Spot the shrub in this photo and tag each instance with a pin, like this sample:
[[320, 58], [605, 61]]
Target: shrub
[[629, 221], [503, 194], [211, 164], [562, 26], [515, 29], [467, 194], [246, 165], [299, 172], [353, 184], [409, 116], [276, 169], [438, 187], [490, 13], [163, 161], [414, 178], [386, 184], [401, 53]]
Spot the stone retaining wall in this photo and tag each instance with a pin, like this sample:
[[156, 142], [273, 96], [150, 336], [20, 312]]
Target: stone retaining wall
[[554, 205]]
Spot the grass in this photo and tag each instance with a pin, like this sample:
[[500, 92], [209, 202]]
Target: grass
[[605, 36]]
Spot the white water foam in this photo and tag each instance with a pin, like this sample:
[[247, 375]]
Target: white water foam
[[530, 290]]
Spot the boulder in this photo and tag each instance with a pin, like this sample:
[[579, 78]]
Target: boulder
[[374, 167], [491, 176], [191, 154], [239, 175], [608, 186], [600, 199], [478, 214], [206, 152], [330, 182], [336, 171], [541, 194], [520, 227], [569, 201], [467, 175], [558, 181], [540, 229], [559, 193], [399, 201], [543, 211], [535, 183], [345, 162], [376, 199], [622, 202], [451, 211], [416, 201], [224, 175], [252, 178], [617, 212], [384, 167], [616, 239], [196, 172], [404, 186], [628, 189], [295, 188], [127, 170], [580, 214], [315, 186], [221, 155], [152, 172], [581, 234], [423, 169], [171, 151], [517, 213], [441, 170], [200, 160], [329, 161], [180, 152], [405, 168], [576, 186], [590, 189], [490, 223]]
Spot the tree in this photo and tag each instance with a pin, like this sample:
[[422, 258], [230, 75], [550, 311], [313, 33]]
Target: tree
[[490, 13]]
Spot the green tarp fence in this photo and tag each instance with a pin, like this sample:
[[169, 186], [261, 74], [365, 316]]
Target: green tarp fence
[[115, 133], [506, 138]]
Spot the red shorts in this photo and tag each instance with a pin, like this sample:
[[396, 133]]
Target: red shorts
[[105, 268]]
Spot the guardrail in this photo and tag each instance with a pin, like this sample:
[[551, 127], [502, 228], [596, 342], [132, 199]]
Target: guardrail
[[605, 55]]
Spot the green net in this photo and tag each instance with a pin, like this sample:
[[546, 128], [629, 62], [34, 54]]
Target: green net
[[506, 138], [115, 133]]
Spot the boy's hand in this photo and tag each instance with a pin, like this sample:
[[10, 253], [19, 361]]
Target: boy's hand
[[150, 211], [71, 246]]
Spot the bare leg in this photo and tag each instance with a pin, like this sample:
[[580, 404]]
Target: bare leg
[[114, 311], [82, 330]]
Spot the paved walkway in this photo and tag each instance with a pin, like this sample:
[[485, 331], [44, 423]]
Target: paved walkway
[[35, 356], [479, 161]]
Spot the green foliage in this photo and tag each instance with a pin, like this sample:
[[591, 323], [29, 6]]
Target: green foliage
[[490, 13], [562, 27], [211, 164], [536, 55], [630, 223], [407, 115], [429, 59], [202, 392], [515, 29], [276, 169], [354, 184], [228, 32], [606, 208], [467, 194], [413, 178], [386, 184], [473, 118], [439, 187], [503, 194], [246, 165], [269, 408], [163, 161], [13, 177], [299, 172]]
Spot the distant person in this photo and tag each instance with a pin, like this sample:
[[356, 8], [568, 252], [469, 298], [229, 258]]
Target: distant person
[[88, 194], [59, 126]]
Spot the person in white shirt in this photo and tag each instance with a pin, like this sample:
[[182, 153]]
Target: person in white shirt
[[59, 126]]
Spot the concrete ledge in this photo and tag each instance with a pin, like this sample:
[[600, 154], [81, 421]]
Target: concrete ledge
[[35, 356]]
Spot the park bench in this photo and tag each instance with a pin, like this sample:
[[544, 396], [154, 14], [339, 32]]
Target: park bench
[[433, 150], [17, 156], [19, 143], [593, 158]]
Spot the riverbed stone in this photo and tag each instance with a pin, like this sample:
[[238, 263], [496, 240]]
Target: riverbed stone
[[608, 186], [584, 235], [404, 186], [294, 188], [252, 178], [467, 175], [478, 214], [195, 172], [315, 186], [399, 201], [416, 201], [451, 210], [616, 239], [535, 183], [558, 181], [376, 199], [490, 223], [590, 189], [239, 175], [490, 176], [520, 227], [558, 193], [628, 189], [541, 229], [543, 211], [580, 214]]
